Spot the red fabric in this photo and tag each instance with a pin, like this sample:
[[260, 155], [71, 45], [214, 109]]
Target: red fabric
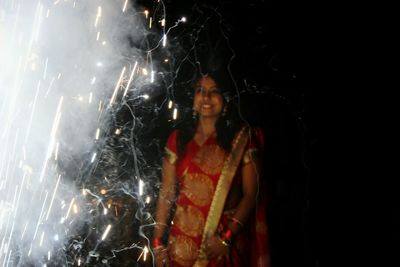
[[250, 246]]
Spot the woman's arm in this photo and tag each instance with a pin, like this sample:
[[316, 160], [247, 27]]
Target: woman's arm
[[165, 199], [250, 176], [250, 183]]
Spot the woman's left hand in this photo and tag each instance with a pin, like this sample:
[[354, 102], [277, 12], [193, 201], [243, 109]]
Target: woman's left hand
[[215, 247]]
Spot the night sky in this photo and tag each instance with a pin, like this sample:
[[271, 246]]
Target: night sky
[[275, 43], [275, 50]]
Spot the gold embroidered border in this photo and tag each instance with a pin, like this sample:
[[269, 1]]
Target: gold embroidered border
[[250, 155], [221, 192], [170, 156]]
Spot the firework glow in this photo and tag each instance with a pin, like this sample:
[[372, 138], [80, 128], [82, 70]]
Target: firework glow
[[65, 72]]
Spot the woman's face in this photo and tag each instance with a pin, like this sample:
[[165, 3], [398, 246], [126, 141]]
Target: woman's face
[[208, 101]]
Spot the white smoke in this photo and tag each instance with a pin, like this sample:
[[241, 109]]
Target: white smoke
[[63, 63]]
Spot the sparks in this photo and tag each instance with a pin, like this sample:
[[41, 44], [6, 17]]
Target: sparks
[[117, 85], [97, 16], [106, 232], [125, 4]]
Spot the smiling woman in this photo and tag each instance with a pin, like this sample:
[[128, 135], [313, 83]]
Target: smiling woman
[[211, 175], [208, 101]]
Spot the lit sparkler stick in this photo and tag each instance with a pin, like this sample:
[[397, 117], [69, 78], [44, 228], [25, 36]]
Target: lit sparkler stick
[[97, 16], [130, 78], [125, 4], [106, 232], [117, 86], [52, 198]]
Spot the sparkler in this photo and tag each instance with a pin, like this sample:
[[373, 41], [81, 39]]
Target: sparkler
[[66, 61]]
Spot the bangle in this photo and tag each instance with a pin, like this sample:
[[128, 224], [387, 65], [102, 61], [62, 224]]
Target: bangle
[[226, 235], [236, 221], [157, 242], [225, 238], [225, 243]]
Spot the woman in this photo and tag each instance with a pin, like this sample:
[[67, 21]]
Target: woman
[[210, 177]]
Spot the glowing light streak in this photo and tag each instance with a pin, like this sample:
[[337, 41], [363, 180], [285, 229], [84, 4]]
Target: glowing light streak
[[97, 133], [93, 157], [90, 97], [130, 78], [175, 114], [150, 23], [39, 22], [45, 69], [163, 22], [170, 103], [50, 148], [145, 251], [141, 185], [105, 211], [56, 151], [152, 76], [148, 199], [125, 4], [98, 36], [97, 16], [23, 232], [146, 13], [52, 198], [41, 239], [70, 207], [106, 232], [93, 80], [40, 216], [117, 86], [49, 88], [164, 42]]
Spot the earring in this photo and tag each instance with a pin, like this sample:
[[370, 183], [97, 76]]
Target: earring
[[194, 113], [224, 111]]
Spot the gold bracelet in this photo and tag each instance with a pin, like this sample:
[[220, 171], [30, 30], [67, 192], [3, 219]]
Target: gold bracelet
[[236, 221], [226, 244]]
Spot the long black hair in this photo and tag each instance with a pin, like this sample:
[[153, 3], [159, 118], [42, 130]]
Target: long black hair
[[227, 125]]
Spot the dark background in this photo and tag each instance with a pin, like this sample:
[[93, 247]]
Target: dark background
[[276, 48]]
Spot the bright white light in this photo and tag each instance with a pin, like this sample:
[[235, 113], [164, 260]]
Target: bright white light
[[141, 185], [106, 232], [93, 157]]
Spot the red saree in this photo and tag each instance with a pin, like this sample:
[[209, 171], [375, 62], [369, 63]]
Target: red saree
[[198, 172]]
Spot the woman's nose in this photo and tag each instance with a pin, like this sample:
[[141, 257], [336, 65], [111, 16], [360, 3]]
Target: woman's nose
[[205, 94]]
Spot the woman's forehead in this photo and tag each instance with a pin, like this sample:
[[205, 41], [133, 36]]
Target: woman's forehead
[[206, 81]]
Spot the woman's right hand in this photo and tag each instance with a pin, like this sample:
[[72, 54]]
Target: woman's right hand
[[161, 256]]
